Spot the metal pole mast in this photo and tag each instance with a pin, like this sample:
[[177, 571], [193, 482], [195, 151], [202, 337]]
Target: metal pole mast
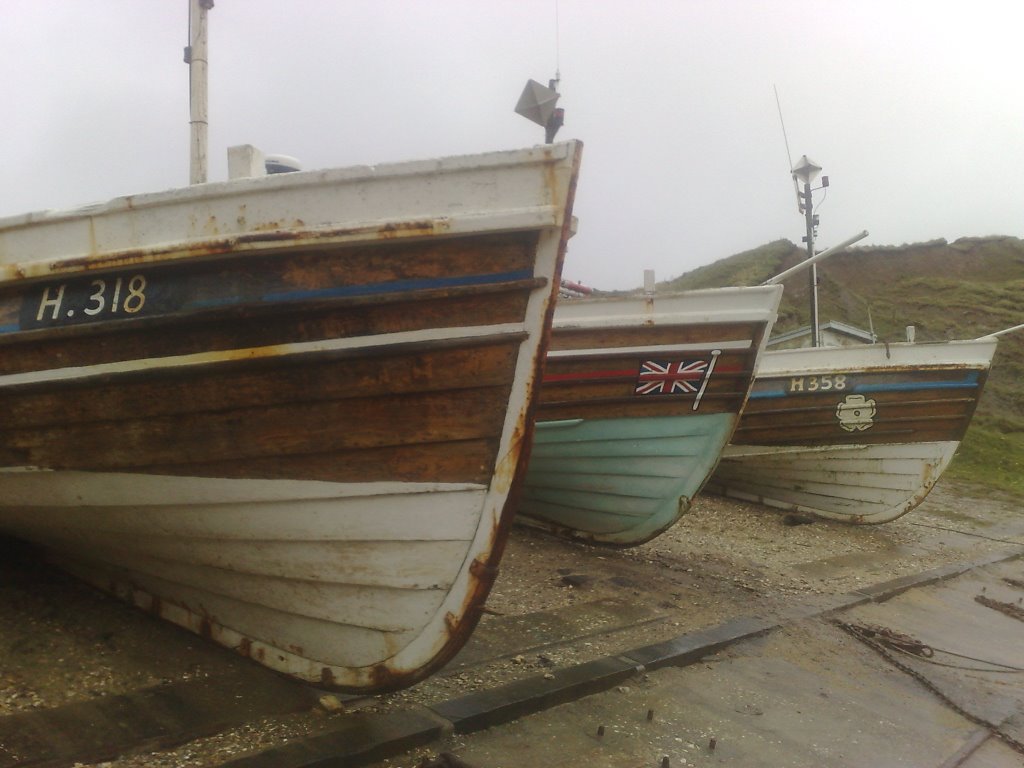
[[809, 220], [195, 57]]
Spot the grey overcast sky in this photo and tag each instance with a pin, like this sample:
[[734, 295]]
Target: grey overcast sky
[[915, 109]]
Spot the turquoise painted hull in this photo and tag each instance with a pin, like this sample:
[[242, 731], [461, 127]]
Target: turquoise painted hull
[[620, 481]]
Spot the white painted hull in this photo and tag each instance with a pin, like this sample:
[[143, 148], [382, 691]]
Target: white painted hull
[[797, 447], [353, 572], [850, 483]]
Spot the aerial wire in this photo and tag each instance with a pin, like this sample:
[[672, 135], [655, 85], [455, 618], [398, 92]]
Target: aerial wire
[[778, 105], [558, 48], [789, 155]]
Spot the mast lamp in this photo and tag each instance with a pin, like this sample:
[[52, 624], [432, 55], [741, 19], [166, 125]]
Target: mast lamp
[[806, 170]]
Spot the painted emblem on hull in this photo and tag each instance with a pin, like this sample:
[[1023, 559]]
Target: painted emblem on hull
[[856, 413], [659, 377], [676, 377]]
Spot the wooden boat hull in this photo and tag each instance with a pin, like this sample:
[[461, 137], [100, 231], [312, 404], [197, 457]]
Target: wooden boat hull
[[287, 413], [638, 400], [857, 434]]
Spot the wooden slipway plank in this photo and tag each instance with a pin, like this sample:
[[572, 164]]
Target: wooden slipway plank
[[158, 717], [499, 636]]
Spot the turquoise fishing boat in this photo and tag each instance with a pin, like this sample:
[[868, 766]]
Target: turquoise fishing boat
[[639, 398]]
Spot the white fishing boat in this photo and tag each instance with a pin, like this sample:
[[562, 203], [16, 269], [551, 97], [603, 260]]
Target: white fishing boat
[[287, 413], [854, 433], [859, 434]]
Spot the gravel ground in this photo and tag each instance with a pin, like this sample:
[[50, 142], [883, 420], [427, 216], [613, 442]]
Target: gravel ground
[[64, 642]]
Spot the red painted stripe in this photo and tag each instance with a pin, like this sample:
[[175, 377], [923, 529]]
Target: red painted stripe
[[632, 373]]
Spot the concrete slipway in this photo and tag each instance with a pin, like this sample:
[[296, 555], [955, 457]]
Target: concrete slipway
[[728, 641], [804, 693]]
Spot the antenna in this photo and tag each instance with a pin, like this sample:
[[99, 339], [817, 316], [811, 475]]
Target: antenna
[[789, 155], [558, 50], [778, 105]]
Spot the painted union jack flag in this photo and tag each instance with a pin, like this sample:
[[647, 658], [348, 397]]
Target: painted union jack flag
[[658, 377]]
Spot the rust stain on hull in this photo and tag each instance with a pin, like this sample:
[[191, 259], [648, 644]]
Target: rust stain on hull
[[266, 236]]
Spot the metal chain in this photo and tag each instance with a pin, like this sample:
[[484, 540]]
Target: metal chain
[[1012, 610], [895, 639], [872, 636]]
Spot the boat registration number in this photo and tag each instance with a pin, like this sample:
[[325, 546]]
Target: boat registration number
[[825, 383], [84, 301]]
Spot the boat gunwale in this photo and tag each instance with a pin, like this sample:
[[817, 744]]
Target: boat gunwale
[[865, 358]]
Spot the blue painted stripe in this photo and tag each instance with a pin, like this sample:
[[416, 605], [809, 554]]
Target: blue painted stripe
[[768, 394], [365, 289], [370, 289], [970, 380]]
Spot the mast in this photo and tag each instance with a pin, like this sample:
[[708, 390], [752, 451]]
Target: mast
[[809, 237], [807, 171], [195, 57]]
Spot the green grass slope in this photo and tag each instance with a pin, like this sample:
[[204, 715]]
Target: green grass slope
[[958, 290]]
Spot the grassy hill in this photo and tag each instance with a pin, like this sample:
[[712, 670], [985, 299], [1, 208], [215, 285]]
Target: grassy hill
[[958, 290]]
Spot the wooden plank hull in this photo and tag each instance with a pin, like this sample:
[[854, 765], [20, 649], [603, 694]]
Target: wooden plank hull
[[857, 434], [287, 413], [639, 398]]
